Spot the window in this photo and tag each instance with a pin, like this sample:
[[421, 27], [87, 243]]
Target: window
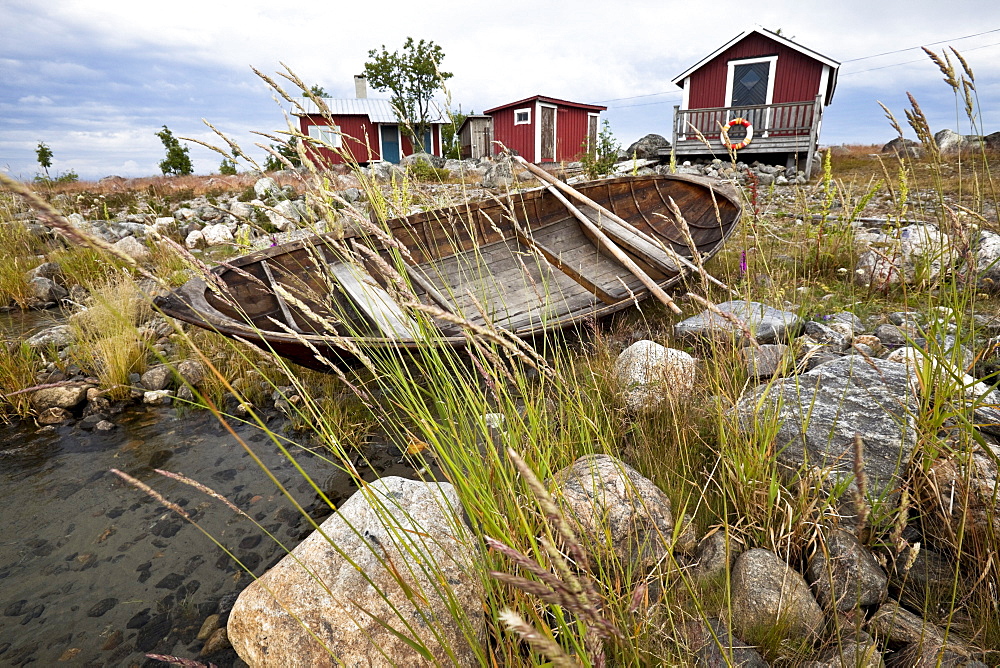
[[326, 134], [522, 116]]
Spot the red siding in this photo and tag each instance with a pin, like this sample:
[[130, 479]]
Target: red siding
[[796, 77], [360, 138], [518, 138], [571, 133]]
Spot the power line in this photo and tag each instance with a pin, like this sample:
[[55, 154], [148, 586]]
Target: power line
[[852, 60]]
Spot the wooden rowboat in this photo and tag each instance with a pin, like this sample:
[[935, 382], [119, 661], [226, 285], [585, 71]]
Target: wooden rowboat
[[529, 263]]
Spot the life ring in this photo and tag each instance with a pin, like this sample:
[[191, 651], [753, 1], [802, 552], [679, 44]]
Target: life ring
[[746, 140]]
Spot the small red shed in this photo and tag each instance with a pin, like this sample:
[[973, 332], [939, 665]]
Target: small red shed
[[365, 128], [544, 129], [779, 86]]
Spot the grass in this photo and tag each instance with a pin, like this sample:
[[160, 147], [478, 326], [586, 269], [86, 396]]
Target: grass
[[562, 404]]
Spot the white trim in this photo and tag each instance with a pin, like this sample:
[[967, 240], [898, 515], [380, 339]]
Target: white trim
[[598, 133], [538, 131], [329, 136], [686, 95], [730, 73], [766, 33], [527, 121], [399, 141], [824, 81]]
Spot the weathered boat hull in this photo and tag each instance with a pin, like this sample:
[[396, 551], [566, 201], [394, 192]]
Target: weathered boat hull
[[522, 263]]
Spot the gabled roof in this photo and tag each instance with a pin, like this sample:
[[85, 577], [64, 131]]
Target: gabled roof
[[833, 64], [377, 110], [550, 100], [472, 117]]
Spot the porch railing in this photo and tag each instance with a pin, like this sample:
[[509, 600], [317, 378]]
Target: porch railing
[[788, 119]]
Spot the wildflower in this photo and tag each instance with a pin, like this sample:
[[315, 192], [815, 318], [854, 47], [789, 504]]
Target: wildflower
[[743, 263]]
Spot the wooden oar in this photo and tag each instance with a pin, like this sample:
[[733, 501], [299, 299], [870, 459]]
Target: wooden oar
[[545, 177]]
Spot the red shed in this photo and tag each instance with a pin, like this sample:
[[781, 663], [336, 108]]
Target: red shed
[[779, 86], [366, 128], [544, 129]]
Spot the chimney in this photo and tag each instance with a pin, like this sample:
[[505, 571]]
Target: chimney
[[360, 86]]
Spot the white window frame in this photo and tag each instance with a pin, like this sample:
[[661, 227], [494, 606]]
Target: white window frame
[[327, 135], [527, 112], [731, 73], [598, 135]]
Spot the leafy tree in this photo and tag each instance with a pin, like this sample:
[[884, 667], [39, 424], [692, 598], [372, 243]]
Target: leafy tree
[[412, 75], [450, 138], [177, 162], [227, 167], [316, 90], [44, 154]]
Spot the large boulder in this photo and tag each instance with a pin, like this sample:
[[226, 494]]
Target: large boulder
[[844, 573], [817, 414], [918, 255], [767, 324], [395, 559], [647, 147], [649, 373], [768, 596], [902, 147], [614, 508]]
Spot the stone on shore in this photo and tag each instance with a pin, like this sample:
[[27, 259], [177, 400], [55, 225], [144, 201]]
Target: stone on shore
[[352, 589], [767, 324], [649, 373], [768, 595]]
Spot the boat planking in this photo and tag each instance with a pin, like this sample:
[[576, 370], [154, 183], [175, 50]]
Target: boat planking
[[526, 262]]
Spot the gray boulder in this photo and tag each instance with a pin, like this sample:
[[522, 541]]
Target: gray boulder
[[902, 147], [818, 413], [45, 290], [395, 556], [58, 336], [649, 374], [133, 248], [615, 508], [647, 147], [713, 645], [768, 595], [61, 396], [266, 187], [766, 361], [919, 255], [845, 575], [767, 324]]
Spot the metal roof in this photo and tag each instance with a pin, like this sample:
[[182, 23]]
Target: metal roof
[[377, 110]]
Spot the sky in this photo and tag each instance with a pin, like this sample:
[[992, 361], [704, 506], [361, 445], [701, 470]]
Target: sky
[[96, 79]]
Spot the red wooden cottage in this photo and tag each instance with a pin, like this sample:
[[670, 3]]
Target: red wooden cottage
[[544, 129], [365, 128], [779, 86]]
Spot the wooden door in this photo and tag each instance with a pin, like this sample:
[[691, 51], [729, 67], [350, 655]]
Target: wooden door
[[548, 131]]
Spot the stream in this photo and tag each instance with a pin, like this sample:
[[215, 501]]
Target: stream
[[94, 572]]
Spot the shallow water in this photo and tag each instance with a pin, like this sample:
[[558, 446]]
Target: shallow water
[[95, 572]]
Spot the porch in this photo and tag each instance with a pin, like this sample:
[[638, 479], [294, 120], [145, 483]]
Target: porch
[[790, 128]]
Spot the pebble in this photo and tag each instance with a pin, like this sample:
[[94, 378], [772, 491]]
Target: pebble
[[102, 607], [209, 626], [219, 640]]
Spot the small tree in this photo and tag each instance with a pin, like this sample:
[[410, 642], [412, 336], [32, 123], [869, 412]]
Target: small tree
[[452, 147], [287, 151], [227, 167], [412, 75], [177, 162], [44, 154], [316, 90], [599, 159]]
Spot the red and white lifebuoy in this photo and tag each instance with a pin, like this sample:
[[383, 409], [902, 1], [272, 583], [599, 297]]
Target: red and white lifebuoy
[[746, 140]]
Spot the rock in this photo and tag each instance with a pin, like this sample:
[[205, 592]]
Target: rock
[[157, 377], [770, 596], [850, 653], [157, 397], [499, 174], [649, 373], [57, 337], [133, 248], [714, 554], [218, 641], [768, 325], [50, 270], [266, 187], [849, 319], [890, 335], [61, 396], [217, 235], [45, 290], [845, 575], [164, 225], [986, 247], [950, 142], [425, 158], [209, 626], [765, 362], [192, 372], [716, 647], [973, 477], [647, 147], [53, 415], [284, 215], [902, 147], [924, 642], [615, 508], [346, 612], [101, 607], [918, 255], [195, 239], [818, 413]]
